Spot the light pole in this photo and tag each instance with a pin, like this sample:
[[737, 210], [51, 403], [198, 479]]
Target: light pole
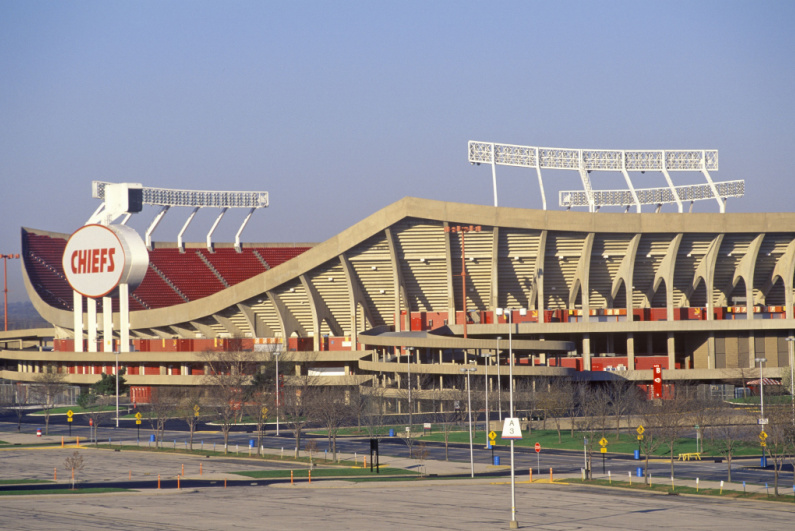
[[760, 361], [117, 387], [499, 378], [408, 383], [500, 311], [5, 258], [276, 353], [790, 346], [469, 407], [486, 389]]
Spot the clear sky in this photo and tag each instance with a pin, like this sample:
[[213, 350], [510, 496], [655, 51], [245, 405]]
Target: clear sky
[[341, 108]]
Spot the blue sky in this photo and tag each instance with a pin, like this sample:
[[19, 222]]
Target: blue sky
[[341, 108]]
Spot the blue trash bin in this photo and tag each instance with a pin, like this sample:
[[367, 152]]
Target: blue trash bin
[[251, 443], [639, 471], [496, 460], [637, 455], [391, 433], [152, 438]]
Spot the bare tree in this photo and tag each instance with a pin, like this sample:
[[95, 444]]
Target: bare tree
[[74, 463], [668, 419], [189, 409], [228, 378], [779, 438], [163, 405], [556, 400], [595, 408], [297, 403], [330, 409], [448, 415], [374, 415], [624, 396], [47, 386], [728, 429], [98, 412]]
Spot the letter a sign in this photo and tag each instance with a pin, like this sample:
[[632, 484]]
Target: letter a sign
[[511, 429]]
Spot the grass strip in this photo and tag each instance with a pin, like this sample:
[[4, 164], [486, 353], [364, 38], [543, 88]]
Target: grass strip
[[60, 491], [665, 488], [324, 472], [23, 481]]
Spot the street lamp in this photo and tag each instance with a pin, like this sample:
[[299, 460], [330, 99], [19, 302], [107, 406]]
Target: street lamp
[[117, 387], [408, 365], [499, 378], [509, 313], [469, 407], [5, 258], [762, 419], [487, 359], [276, 353], [790, 345]]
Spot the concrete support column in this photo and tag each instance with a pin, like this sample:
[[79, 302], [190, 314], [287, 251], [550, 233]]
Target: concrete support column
[[711, 351], [92, 325], [586, 352], [671, 351], [631, 351]]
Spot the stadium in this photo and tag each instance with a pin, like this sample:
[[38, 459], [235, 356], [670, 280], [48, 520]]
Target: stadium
[[422, 289]]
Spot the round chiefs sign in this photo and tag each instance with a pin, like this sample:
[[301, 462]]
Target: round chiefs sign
[[98, 258]]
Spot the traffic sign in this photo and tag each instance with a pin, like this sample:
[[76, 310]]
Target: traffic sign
[[492, 435], [511, 429], [138, 416], [264, 412], [640, 437], [538, 447], [69, 413], [603, 442], [137, 421], [761, 422], [763, 435], [196, 410], [604, 450], [640, 430]]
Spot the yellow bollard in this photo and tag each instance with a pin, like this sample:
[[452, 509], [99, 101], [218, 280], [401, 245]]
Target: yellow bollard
[[224, 482], [310, 477], [291, 477], [200, 468], [158, 481], [531, 474], [365, 461], [551, 479], [130, 476], [61, 442], [55, 474], [178, 487], [78, 442], [630, 478]]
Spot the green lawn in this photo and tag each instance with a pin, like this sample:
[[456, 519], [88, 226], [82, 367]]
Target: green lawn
[[665, 486], [325, 472], [23, 481]]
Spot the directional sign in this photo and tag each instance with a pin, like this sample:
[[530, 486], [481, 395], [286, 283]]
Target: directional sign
[[511, 429], [761, 422], [492, 435], [640, 430], [603, 442]]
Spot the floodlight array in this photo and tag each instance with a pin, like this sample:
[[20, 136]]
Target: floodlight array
[[592, 159], [585, 161], [194, 198], [651, 196]]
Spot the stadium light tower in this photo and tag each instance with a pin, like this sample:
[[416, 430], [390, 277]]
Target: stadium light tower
[[585, 161], [5, 258]]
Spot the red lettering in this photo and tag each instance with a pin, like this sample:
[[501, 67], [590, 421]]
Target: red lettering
[[111, 263], [74, 262], [82, 262], [103, 258], [94, 261]]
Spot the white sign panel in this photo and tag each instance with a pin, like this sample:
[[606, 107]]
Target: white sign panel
[[511, 429], [98, 258]]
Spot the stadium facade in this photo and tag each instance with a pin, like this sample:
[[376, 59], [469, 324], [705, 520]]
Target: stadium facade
[[423, 287]]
